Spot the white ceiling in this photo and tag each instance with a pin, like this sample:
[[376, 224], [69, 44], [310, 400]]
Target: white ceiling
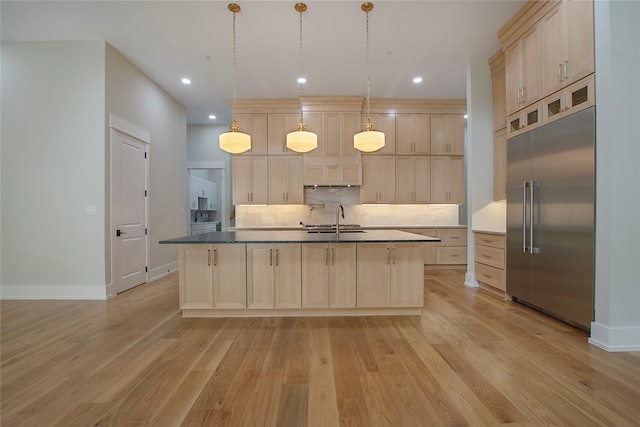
[[169, 40]]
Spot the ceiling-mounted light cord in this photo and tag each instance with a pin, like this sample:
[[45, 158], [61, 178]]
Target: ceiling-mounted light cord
[[368, 69], [300, 9], [233, 102]]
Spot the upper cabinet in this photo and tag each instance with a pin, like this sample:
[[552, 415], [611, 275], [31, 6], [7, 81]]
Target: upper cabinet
[[279, 125], [498, 91], [249, 180], [567, 44], [256, 126], [447, 134], [335, 132], [548, 46], [413, 133], [285, 175], [385, 123], [522, 59]]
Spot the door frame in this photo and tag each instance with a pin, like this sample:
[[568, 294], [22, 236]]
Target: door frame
[[118, 124]]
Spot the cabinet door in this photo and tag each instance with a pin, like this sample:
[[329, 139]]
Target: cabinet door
[[315, 275], [447, 179], [241, 180], [288, 275], [531, 68], [294, 179], [256, 126], [195, 277], [369, 187], [580, 39], [229, 276], [277, 179], [386, 171], [332, 134], [260, 266], [343, 275], [412, 133], [552, 50], [315, 124], [404, 179], [498, 90], [422, 179], [279, 125], [500, 165], [373, 275], [259, 179], [349, 126], [385, 123], [447, 134], [513, 76], [407, 275]]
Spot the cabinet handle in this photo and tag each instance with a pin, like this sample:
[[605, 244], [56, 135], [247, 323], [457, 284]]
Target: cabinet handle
[[248, 197], [208, 256], [566, 71], [394, 256], [270, 257], [215, 257], [559, 72], [388, 255], [326, 257], [333, 256], [277, 256]]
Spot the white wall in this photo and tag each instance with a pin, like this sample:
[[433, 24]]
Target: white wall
[[483, 213], [134, 97], [617, 293], [53, 121]]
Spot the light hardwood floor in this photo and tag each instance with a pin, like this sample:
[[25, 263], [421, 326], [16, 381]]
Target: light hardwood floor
[[471, 359]]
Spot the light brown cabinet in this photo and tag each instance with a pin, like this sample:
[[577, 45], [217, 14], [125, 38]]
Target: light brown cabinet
[[522, 71], [256, 126], [525, 120], [285, 175], [378, 179], [447, 179], [500, 165], [490, 259], [413, 179], [390, 275], [447, 134], [498, 91], [212, 276], [249, 180], [332, 171], [329, 275], [567, 44], [569, 100], [279, 125], [274, 274], [336, 135], [413, 133]]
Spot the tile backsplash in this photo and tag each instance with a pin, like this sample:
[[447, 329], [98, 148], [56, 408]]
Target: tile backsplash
[[321, 204]]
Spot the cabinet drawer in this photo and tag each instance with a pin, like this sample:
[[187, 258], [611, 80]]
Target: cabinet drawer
[[490, 275], [452, 255], [490, 256], [493, 240], [452, 237]]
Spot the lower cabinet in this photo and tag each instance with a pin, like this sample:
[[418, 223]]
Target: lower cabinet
[[273, 275], [390, 275], [451, 250], [490, 259], [215, 274], [328, 275]]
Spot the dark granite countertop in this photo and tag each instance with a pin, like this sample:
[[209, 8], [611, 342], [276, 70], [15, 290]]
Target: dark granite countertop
[[300, 236]]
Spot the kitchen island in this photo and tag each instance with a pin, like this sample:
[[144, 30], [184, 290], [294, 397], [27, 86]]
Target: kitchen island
[[301, 273]]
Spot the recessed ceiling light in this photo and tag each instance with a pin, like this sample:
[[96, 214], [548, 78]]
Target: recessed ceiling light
[[417, 79], [302, 80], [186, 81], [212, 117], [466, 116]]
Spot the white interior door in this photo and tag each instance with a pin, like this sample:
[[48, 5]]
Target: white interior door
[[129, 210]]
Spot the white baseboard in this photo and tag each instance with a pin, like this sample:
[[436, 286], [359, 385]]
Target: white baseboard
[[470, 281], [615, 339], [158, 272], [53, 292]]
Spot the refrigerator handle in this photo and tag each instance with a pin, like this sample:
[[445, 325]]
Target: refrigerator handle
[[525, 248], [532, 187]]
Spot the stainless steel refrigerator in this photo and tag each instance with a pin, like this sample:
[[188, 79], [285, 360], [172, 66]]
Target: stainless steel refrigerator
[[551, 218]]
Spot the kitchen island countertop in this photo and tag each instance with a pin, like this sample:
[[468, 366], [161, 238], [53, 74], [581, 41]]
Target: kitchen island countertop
[[300, 236]]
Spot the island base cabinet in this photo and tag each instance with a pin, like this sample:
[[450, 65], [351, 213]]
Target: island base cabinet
[[213, 277], [273, 276], [390, 275], [329, 275]]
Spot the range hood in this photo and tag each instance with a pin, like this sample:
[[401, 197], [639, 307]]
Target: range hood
[[332, 171]]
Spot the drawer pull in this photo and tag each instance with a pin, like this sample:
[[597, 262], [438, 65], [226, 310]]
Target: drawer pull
[[454, 256], [486, 256]]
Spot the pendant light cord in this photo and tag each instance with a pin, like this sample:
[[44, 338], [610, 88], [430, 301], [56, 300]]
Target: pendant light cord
[[368, 70], [300, 75], [233, 102]]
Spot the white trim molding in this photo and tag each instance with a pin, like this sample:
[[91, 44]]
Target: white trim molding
[[52, 292], [130, 129], [470, 281], [163, 270], [615, 338]]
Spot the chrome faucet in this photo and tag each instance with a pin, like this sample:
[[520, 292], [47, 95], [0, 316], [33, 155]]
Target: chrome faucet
[[339, 209]]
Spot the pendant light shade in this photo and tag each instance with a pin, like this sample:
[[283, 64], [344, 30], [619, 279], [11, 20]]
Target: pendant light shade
[[301, 140], [234, 141], [368, 140]]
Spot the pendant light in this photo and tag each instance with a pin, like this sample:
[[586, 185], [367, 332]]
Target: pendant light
[[301, 140], [368, 140], [234, 141]]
